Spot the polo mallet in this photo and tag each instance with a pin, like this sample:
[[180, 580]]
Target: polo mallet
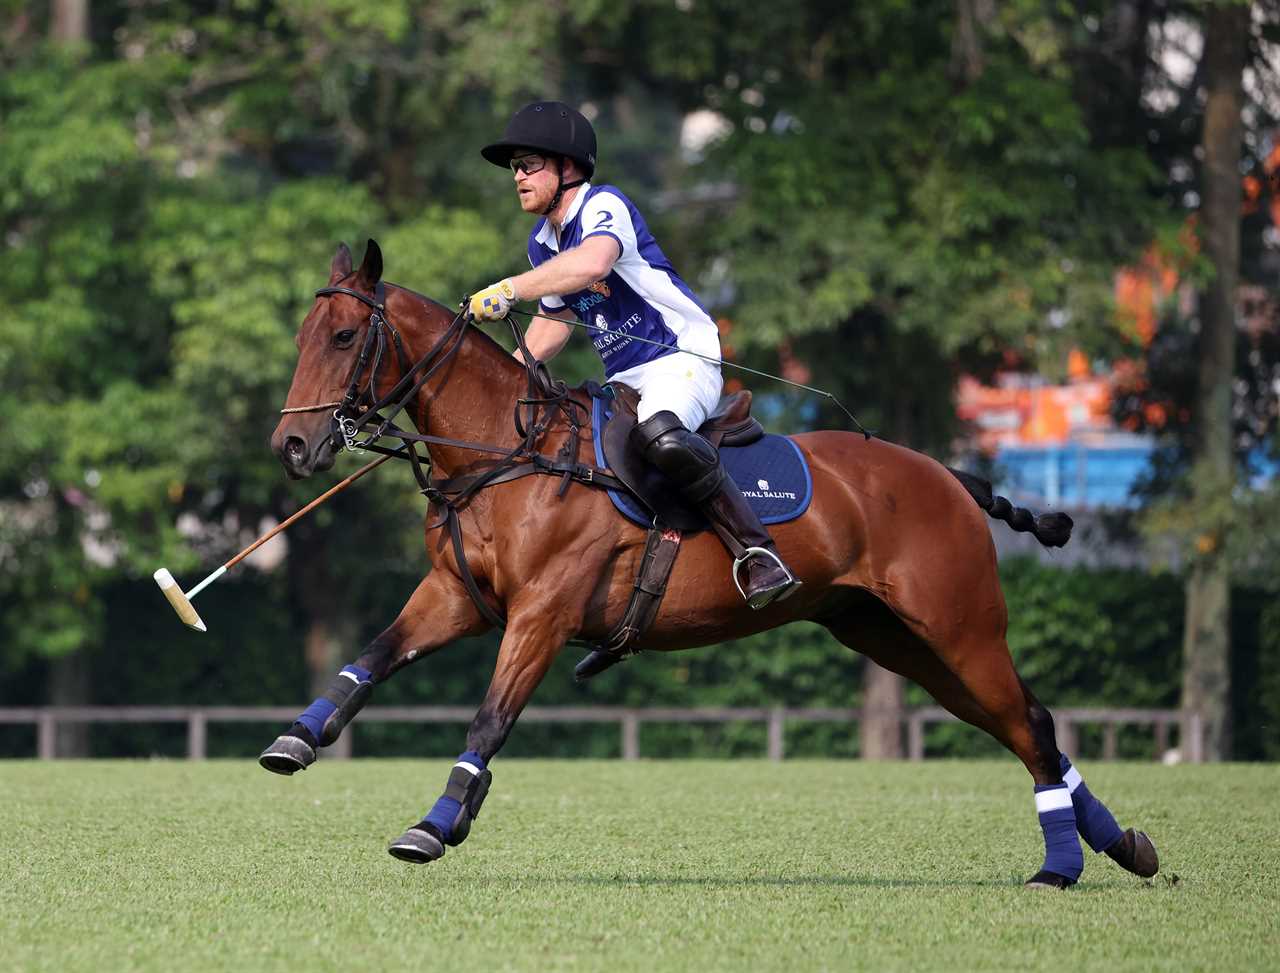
[[182, 602]]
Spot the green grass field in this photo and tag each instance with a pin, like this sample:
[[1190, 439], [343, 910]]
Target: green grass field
[[671, 866]]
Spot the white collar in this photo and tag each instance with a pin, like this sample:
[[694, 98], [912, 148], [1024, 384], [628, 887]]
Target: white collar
[[547, 235]]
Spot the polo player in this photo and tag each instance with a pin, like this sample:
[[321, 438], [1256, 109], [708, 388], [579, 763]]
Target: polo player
[[594, 259]]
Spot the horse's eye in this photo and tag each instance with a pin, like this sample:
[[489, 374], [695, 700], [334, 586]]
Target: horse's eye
[[344, 338]]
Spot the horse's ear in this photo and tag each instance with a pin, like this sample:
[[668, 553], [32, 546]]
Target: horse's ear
[[341, 265], [371, 268]]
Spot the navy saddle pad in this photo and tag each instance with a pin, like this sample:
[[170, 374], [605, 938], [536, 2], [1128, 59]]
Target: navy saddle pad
[[771, 473]]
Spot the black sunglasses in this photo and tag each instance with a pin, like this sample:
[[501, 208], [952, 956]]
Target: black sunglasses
[[528, 164]]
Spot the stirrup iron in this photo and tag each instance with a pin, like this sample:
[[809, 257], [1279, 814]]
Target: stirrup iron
[[740, 561]]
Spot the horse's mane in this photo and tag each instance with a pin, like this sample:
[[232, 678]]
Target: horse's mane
[[477, 335]]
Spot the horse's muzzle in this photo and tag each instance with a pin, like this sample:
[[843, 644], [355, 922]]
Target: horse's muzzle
[[301, 459]]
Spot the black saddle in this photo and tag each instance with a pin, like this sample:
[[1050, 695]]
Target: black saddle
[[730, 424]]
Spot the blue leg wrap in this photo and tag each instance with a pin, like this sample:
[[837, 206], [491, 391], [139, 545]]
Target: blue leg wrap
[[1096, 824], [315, 715], [1062, 854], [445, 812]]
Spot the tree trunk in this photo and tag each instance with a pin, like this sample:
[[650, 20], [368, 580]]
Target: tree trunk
[[967, 56], [69, 686], [881, 728], [69, 21], [1207, 634], [329, 630]]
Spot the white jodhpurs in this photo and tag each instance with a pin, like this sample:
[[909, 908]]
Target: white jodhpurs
[[688, 386]]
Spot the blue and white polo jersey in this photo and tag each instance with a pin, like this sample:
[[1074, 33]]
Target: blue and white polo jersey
[[642, 296]]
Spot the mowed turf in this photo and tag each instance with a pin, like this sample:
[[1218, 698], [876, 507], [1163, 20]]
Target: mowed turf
[[585, 865]]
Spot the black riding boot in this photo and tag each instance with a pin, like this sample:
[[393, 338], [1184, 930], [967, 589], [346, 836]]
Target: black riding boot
[[767, 578], [693, 465]]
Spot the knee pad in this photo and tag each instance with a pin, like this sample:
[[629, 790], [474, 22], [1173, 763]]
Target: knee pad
[[683, 457], [656, 426], [348, 694]]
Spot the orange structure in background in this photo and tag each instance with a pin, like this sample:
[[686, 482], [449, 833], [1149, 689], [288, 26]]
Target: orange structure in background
[[1024, 410]]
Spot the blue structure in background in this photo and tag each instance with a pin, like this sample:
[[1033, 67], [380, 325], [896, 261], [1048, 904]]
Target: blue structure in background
[[1078, 474], [1099, 471]]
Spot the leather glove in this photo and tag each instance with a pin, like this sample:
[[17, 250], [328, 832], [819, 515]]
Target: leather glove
[[493, 302]]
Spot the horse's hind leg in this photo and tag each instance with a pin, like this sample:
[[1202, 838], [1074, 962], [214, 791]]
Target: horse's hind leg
[[1024, 725], [986, 692], [1000, 708], [438, 612]]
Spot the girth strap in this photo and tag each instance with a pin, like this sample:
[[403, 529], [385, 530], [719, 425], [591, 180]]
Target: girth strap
[[661, 548], [464, 569]]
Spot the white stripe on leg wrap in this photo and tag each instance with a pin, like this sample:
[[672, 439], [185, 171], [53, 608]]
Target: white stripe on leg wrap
[[1055, 800], [1072, 779]]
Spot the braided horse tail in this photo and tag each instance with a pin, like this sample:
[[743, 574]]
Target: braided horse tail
[[1051, 530]]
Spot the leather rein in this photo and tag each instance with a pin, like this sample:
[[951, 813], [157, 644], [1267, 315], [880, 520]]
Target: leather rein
[[361, 411]]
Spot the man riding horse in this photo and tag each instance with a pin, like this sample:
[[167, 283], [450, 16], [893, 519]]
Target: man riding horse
[[894, 547], [594, 258]]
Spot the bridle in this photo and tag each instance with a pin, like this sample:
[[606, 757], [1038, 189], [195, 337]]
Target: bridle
[[361, 410]]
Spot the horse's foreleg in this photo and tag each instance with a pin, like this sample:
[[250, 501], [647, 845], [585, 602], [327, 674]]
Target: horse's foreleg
[[529, 647], [438, 612]]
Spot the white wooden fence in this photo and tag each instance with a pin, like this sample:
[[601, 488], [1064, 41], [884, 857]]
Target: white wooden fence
[[629, 720]]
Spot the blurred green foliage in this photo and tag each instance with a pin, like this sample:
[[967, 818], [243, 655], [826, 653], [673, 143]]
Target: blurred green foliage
[[172, 189]]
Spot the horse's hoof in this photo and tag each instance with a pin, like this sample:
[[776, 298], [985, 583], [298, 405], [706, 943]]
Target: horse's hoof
[[416, 846], [288, 755], [1049, 880], [1134, 852]]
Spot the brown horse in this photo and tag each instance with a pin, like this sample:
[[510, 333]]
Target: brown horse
[[894, 552]]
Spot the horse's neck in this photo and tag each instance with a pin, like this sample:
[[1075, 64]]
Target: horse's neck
[[472, 396]]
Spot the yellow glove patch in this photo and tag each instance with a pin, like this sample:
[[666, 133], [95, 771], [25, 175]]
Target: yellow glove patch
[[493, 302]]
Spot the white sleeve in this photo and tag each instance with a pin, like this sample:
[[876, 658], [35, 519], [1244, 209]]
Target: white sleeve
[[605, 213], [550, 302]]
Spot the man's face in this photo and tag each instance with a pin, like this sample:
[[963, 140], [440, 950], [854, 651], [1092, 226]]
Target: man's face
[[535, 176]]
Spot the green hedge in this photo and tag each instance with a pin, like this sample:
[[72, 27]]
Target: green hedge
[[1079, 637]]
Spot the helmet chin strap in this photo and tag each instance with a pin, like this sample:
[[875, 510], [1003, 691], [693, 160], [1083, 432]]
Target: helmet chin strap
[[561, 186]]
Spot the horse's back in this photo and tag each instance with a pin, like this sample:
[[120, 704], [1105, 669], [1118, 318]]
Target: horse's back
[[890, 484], [901, 526]]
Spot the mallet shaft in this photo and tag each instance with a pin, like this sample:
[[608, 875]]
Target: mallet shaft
[[206, 582], [336, 488], [181, 601]]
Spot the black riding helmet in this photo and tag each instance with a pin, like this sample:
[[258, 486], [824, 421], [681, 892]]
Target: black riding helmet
[[548, 126], [551, 127]]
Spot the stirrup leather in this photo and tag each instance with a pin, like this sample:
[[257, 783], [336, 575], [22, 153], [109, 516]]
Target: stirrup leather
[[740, 561]]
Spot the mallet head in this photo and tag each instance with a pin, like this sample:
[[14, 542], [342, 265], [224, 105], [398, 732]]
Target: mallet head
[[180, 602]]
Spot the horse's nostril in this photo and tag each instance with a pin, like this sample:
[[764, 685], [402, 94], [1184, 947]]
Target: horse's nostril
[[295, 449]]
